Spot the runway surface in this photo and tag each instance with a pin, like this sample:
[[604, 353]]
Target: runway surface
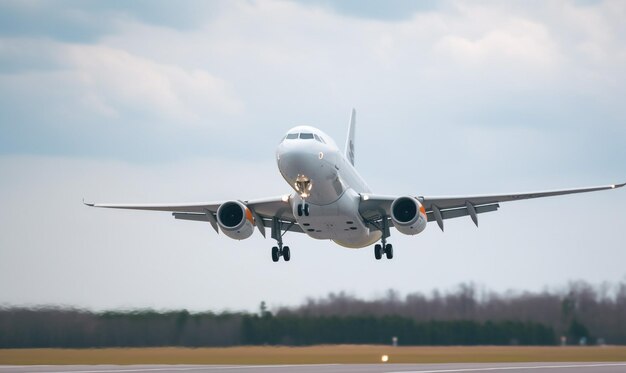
[[327, 368]]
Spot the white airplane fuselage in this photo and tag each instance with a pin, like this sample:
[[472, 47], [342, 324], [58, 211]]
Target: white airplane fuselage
[[320, 173]]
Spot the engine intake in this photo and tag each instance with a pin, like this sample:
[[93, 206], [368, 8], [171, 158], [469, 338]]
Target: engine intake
[[235, 219], [408, 215]]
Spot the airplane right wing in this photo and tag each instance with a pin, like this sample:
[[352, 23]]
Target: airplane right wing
[[373, 207]]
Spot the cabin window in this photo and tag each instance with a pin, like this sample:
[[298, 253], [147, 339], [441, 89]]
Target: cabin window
[[306, 136]]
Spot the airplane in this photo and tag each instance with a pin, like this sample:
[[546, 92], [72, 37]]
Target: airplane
[[331, 201]]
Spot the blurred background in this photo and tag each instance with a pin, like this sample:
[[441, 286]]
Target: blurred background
[[158, 102], [582, 316]]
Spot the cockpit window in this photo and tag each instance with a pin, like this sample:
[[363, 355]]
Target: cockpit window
[[306, 136], [292, 136], [319, 139]]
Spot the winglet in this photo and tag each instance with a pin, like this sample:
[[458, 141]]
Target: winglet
[[617, 185], [87, 203], [349, 150]]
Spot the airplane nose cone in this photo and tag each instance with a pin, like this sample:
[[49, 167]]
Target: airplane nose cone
[[309, 168], [293, 162]]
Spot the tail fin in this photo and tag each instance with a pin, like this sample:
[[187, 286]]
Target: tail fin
[[349, 151]]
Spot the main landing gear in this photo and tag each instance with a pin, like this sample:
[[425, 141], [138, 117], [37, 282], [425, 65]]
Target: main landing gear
[[384, 248], [277, 252], [277, 234]]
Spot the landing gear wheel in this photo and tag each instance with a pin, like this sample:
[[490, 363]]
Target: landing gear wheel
[[299, 210], [306, 209], [389, 251], [275, 255], [378, 251], [286, 253]]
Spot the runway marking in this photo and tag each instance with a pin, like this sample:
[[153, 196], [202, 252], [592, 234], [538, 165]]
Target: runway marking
[[182, 369], [20, 366], [521, 367]]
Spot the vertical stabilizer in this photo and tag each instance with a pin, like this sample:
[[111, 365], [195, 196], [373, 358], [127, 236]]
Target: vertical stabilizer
[[349, 151]]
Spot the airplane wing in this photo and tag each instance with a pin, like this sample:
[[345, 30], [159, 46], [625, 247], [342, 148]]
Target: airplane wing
[[438, 209], [264, 211]]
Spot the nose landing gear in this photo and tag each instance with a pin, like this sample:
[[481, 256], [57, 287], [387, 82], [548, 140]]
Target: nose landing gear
[[303, 186], [303, 208]]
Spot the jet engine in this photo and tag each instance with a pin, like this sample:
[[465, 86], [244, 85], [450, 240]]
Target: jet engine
[[236, 220], [408, 215]]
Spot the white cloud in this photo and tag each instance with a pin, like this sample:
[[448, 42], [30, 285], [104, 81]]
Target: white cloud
[[123, 81], [522, 44], [265, 61], [115, 83]]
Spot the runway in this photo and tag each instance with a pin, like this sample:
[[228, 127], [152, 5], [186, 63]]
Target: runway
[[327, 368]]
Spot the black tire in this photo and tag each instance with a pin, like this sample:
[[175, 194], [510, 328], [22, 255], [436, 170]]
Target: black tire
[[389, 251], [378, 252], [306, 209], [275, 256], [299, 209], [286, 253]]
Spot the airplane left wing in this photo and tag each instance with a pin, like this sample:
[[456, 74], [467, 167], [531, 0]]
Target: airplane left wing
[[264, 211], [373, 208]]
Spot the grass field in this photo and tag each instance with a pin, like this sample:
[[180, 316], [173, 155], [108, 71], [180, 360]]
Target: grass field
[[309, 355]]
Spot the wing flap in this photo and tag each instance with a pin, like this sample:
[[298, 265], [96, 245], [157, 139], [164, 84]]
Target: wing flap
[[463, 211], [191, 216], [265, 222]]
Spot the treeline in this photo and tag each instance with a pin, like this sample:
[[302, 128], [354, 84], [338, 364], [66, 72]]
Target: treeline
[[22, 328], [578, 310], [299, 330], [465, 316], [69, 328]]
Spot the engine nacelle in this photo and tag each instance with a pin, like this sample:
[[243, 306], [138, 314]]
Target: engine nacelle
[[408, 215], [235, 219]]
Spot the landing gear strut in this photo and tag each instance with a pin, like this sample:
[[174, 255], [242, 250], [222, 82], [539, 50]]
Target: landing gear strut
[[277, 234], [384, 248]]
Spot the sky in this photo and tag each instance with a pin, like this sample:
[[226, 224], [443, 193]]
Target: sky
[[159, 101]]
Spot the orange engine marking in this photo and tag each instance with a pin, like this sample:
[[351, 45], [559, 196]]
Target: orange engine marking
[[249, 216]]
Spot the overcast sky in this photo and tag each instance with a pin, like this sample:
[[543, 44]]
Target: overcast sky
[[160, 101]]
